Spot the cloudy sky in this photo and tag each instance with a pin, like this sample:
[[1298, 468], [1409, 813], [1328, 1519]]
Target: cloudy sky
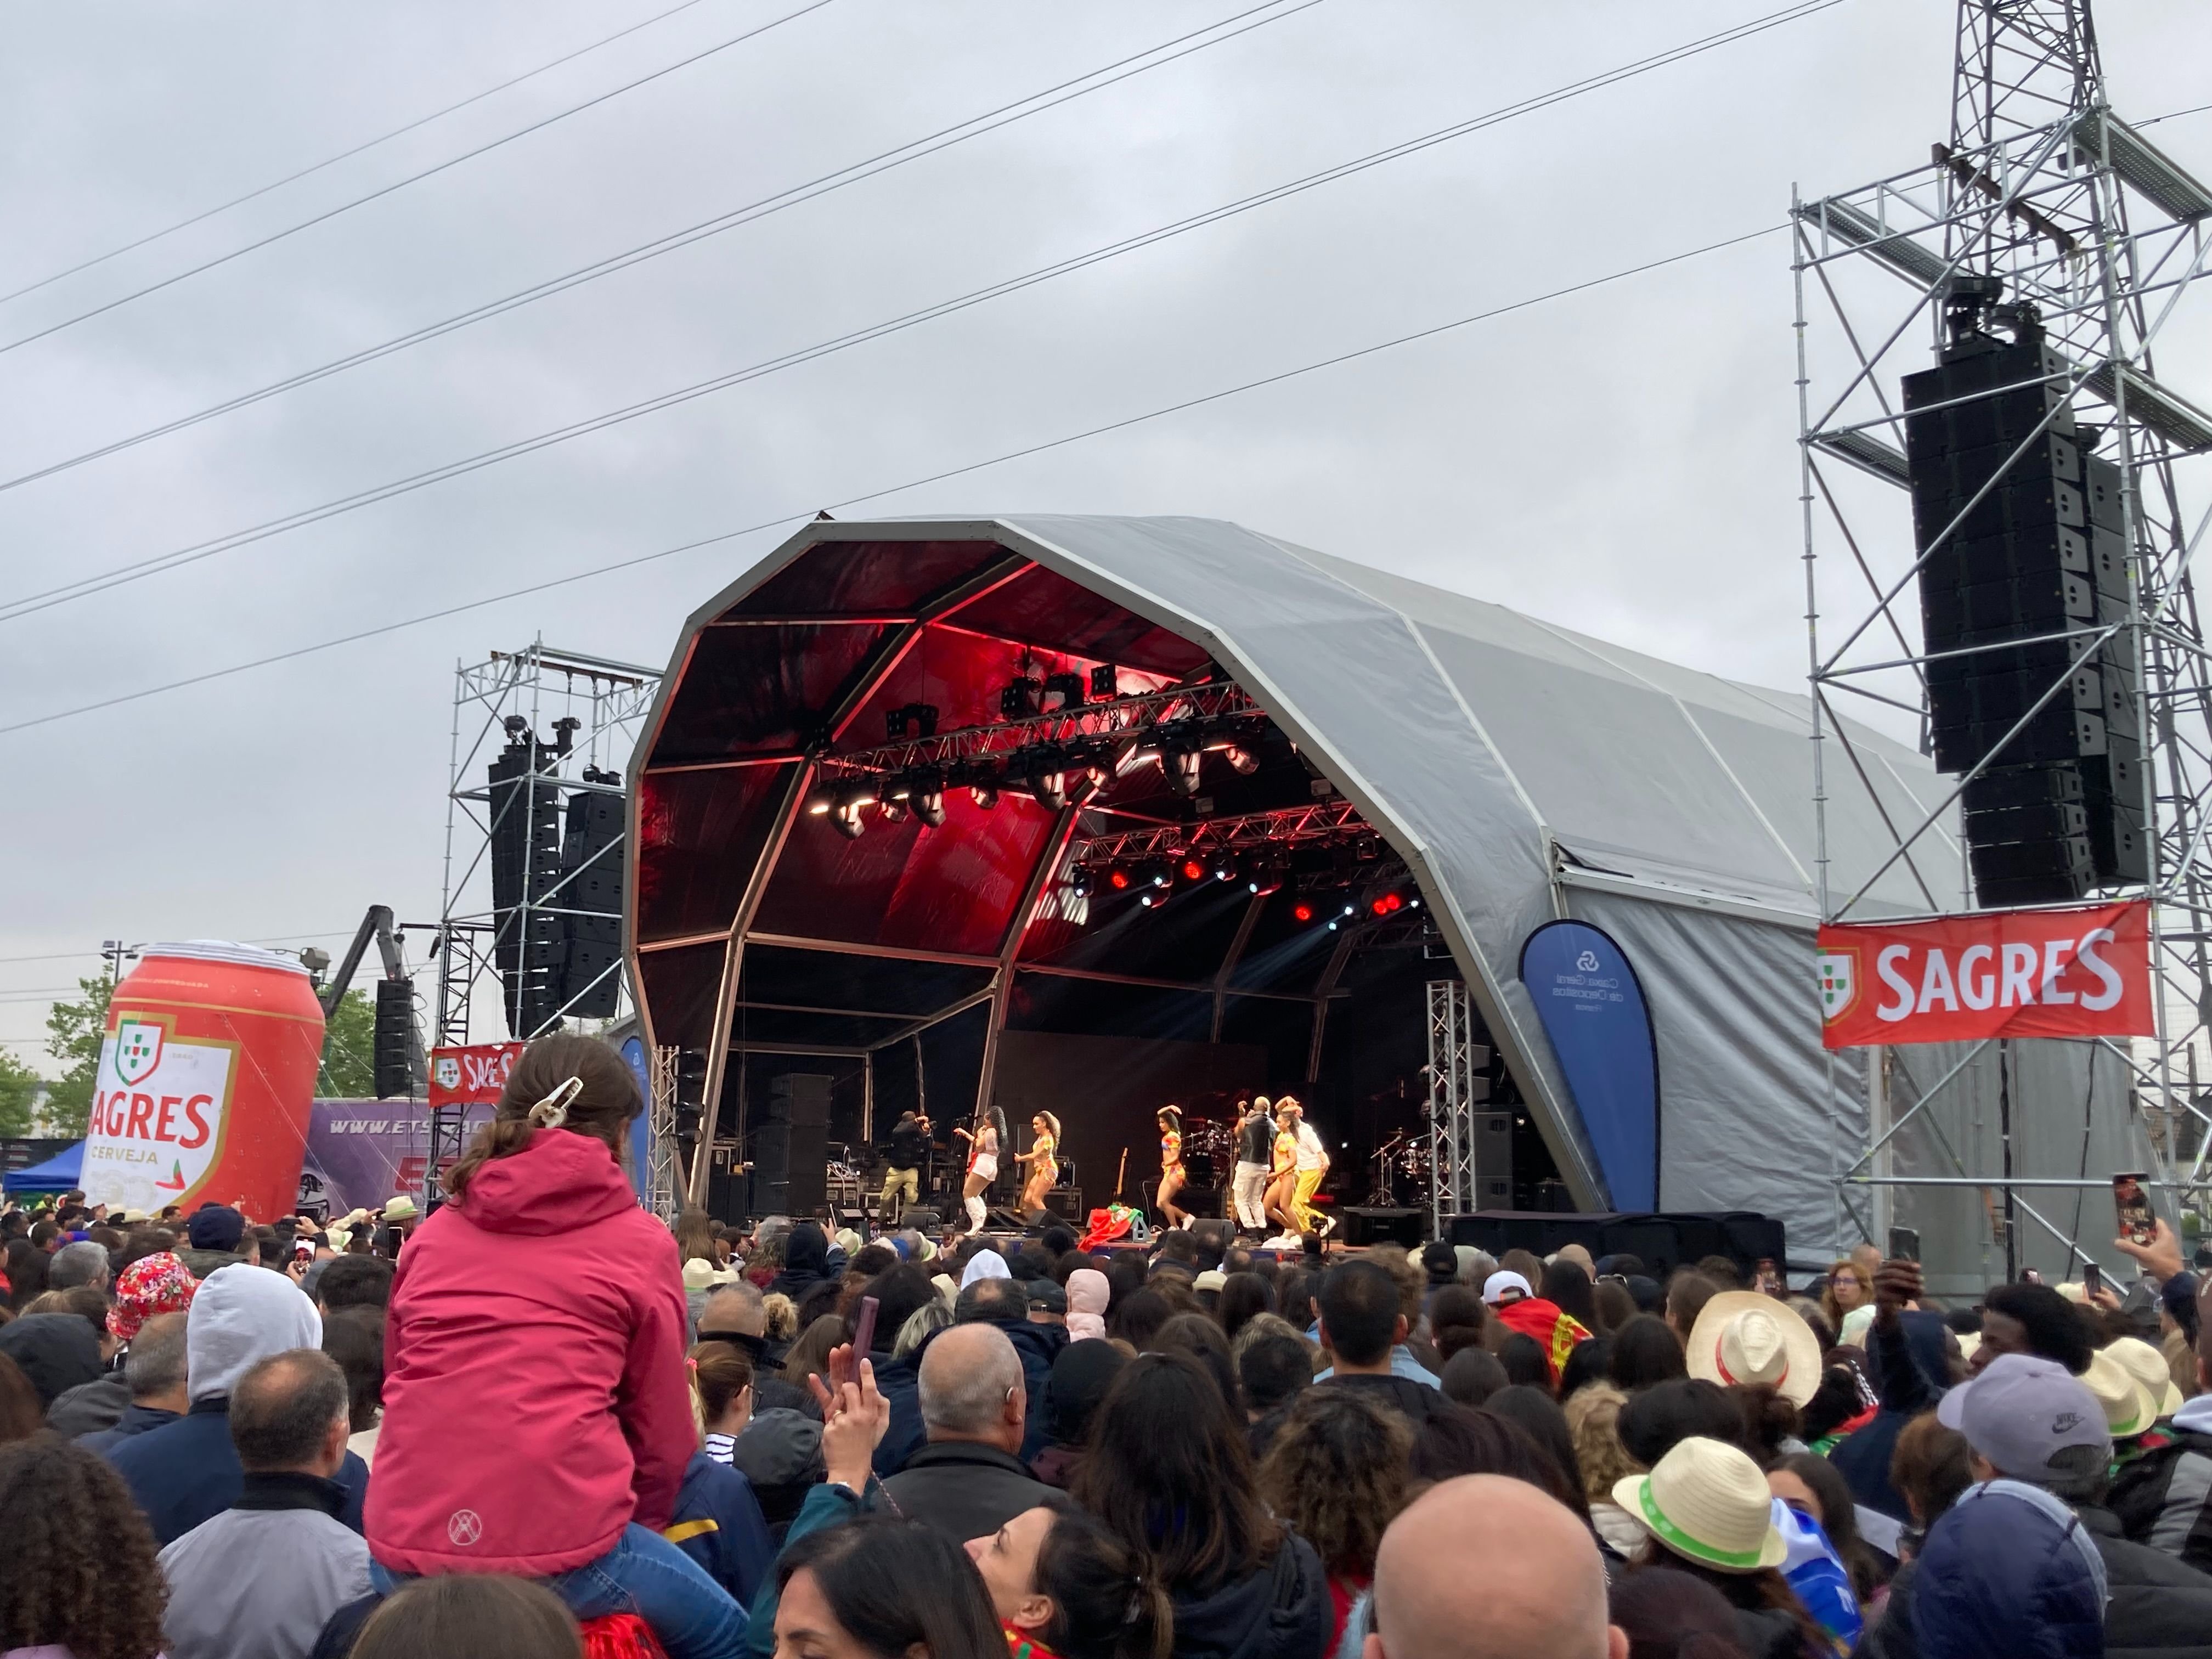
[[1620, 461]]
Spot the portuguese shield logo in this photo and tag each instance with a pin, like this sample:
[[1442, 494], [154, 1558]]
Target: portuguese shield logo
[[1839, 982], [138, 1050]]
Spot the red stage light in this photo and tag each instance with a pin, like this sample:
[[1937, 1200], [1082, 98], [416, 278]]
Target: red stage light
[[1381, 907], [1302, 912], [1394, 902], [1192, 870], [1117, 879]]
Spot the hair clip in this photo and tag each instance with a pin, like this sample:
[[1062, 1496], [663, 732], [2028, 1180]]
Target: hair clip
[[552, 1112]]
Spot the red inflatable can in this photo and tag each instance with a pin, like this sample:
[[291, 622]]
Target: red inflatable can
[[207, 1081]]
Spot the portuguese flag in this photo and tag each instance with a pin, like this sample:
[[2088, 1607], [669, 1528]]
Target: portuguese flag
[[1551, 1325]]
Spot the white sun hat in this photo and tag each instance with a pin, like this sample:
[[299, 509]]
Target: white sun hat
[[1747, 1336], [2129, 1407], [2148, 1367], [1707, 1503]]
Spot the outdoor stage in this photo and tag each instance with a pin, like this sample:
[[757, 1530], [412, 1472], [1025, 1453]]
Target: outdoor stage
[[1090, 815]]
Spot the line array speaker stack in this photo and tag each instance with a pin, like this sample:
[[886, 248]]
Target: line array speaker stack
[[791, 1151], [1493, 1160], [525, 863], [392, 1038], [2058, 810], [592, 859]]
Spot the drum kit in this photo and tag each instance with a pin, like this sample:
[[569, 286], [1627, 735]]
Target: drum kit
[[1408, 1155]]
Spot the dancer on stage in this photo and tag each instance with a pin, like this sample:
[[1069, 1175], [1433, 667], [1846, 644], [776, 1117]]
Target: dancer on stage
[[982, 1165], [1283, 1175], [1170, 1119], [1046, 1127], [1255, 1131], [1312, 1165]]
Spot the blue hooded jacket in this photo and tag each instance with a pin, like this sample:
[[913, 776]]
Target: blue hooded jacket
[[2009, 1573]]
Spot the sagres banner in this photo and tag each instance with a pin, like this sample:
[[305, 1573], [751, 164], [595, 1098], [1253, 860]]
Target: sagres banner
[[2082, 972]]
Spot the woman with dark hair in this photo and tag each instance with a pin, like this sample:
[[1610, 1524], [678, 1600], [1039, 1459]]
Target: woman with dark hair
[[354, 1338], [22, 1414], [1136, 1319], [535, 1331], [470, 1612], [1458, 1441], [25, 1271], [1471, 1375], [1169, 1472], [1457, 1320], [1645, 1351], [1042, 1158], [1525, 1365], [1812, 1486], [1337, 1476], [1615, 1305], [1567, 1287], [1586, 1364], [1654, 1421], [1534, 1411], [81, 1579], [809, 1355], [883, 1588], [1243, 1295], [1066, 1588], [1197, 1336], [982, 1165], [1668, 1614], [694, 1237]]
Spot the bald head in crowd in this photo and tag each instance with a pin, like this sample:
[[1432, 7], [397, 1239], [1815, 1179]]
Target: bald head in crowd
[[971, 1385], [1541, 1589]]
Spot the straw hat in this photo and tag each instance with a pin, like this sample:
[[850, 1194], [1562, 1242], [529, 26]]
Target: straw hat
[[1744, 1336], [2129, 1407], [2148, 1366], [1707, 1503], [700, 1274]]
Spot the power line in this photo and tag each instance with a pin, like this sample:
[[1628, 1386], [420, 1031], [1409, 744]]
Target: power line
[[411, 179], [118, 576], [812, 190], [808, 511], [346, 154]]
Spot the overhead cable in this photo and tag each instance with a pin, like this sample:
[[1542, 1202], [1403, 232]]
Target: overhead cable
[[798, 514], [346, 154], [383, 190], [118, 576]]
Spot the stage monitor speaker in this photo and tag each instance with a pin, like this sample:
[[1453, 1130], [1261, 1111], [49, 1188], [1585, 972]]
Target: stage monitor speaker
[[799, 1098], [1370, 1225], [1065, 1203], [924, 1222], [1493, 1160]]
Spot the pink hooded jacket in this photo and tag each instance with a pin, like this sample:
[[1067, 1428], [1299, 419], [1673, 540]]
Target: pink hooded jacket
[[1087, 1293]]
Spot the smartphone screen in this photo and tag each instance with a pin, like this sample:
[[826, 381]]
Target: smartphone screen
[[2138, 1224], [1767, 1278], [863, 1332], [1905, 1244], [2093, 1279]]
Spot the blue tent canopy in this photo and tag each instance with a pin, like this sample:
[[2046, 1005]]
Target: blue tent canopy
[[61, 1173]]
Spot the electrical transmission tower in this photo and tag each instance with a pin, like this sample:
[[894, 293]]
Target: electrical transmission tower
[[2049, 258]]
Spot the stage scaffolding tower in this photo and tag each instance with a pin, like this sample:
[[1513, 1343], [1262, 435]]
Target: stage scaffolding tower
[[574, 720], [1451, 1103], [2102, 243]]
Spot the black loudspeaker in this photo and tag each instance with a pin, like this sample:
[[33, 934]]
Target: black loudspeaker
[[2022, 535], [392, 1041], [799, 1098], [591, 898], [1493, 1160], [790, 1169], [1366, 1224], [1065, 1204], [525, 868], [925, 1222]]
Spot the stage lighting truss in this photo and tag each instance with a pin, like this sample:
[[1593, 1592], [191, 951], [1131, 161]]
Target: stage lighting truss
[[1071, 750], [1330, 822], [2095, 239]]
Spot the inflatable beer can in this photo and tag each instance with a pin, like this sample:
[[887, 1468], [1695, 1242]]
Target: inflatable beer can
[[207, 1081]]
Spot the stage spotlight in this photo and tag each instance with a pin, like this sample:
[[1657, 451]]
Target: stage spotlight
[[1103, 686], [1018, 701], [819, 801], [1049, 780], [1266, 875], [984, 795], [1239, 758], [920, 717], [895, 811], [1153, 898], [1386, 903], [1159, 877], [929, 794], [1118, 878], [852, 799], [1225, 867], [1192, 870], [1080, 881], [1068, 688], [1302, 912], [1183, 767]]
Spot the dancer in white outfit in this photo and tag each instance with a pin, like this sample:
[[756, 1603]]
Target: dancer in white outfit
[[982, 1165]]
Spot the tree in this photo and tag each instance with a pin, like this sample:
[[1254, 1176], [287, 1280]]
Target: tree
[[19, 1087], [75, 1031], [348, 1070]]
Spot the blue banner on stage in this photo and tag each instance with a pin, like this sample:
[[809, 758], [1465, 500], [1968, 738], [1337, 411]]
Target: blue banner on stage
[[1592, 1006]]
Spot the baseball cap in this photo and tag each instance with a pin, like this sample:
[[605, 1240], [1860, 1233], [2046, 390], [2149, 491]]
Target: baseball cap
[[1439, 1260], [1495, 1287], [2033, 1419], [215, 1227]]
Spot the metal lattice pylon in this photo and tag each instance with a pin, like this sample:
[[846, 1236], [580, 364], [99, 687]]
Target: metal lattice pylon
[[661, 1175], [2101, 241], [1451, 1102]]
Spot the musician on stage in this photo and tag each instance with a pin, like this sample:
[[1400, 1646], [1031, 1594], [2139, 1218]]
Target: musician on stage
[[1045, 1169], [909, 1145], [982, 1165], [1278, 1204], [1170, 1119]]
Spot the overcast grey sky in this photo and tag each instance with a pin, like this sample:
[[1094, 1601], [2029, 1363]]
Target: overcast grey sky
[[1621, 461]]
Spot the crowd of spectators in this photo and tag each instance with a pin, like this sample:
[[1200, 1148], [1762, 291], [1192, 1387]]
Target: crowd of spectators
[[532, 1423]]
